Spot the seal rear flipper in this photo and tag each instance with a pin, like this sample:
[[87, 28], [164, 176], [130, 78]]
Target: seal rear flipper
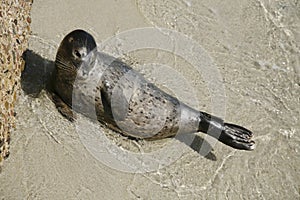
[[230, 134], [237, 137]]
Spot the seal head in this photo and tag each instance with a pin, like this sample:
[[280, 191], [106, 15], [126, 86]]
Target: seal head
[[75, 54], [76, 49]]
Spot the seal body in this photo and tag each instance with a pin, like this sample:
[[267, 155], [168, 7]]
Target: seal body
[[107, 89]]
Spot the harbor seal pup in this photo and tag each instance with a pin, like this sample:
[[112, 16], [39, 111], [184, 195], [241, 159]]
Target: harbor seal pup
[[125, 101]]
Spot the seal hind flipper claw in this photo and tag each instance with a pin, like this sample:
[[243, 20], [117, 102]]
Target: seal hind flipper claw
[[63, 108]]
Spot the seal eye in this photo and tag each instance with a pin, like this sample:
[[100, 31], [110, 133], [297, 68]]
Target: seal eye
[[77, 54], [80, 53]]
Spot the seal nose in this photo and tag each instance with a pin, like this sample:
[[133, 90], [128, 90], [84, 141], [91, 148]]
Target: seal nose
[[80, 52]]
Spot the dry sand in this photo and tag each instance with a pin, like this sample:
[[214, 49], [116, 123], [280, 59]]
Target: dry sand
[[255, 46]]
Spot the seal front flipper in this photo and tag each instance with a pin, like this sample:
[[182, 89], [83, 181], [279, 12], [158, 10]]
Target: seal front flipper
[[230, 134], [107, 115], [62, 107]]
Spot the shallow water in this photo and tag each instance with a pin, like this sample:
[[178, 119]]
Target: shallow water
[[254, 46]]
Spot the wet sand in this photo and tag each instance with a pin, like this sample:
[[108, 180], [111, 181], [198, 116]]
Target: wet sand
[[255, 47]]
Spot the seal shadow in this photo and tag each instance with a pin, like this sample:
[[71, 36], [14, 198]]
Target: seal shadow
[[37, 73], [36, 77]]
